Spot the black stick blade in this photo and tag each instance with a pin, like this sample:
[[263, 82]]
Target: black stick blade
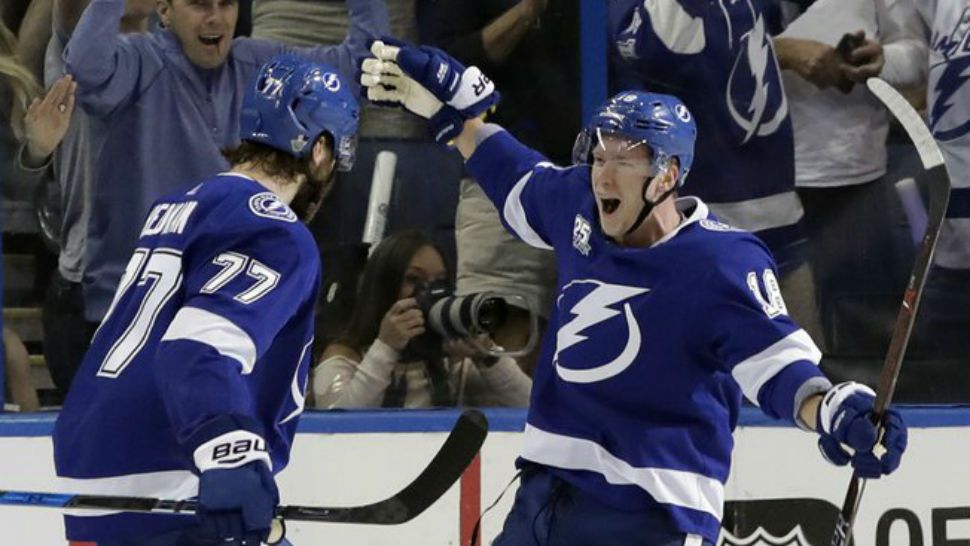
[[447, 466]]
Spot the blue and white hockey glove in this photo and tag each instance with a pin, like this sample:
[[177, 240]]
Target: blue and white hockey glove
[[845, 423], [237, 492], [237, 505], [429, 83]]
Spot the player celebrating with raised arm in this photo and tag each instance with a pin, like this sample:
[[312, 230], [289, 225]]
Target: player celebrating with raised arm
[[194, 382], [664, 318]]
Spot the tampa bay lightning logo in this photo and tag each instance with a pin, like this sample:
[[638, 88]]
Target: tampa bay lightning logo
[[954, 48], [593, 332], [331, 81], [682, 113], [754, 97], [268, 205]]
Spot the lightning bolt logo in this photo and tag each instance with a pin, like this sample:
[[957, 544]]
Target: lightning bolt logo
[[956, 73], [757, 54], [591, 310], [758, 62], [268, 205]]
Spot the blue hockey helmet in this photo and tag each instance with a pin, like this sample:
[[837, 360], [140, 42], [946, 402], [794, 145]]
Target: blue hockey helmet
[[662, 122], [293, 101]]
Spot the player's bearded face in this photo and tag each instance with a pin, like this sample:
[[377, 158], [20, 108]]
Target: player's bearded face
[[319, 180], [204, 28], [620, 167]]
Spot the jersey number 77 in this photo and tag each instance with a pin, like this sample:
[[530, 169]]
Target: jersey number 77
[[158, 274]]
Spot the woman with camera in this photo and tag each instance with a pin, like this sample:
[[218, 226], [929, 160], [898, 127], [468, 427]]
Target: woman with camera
[[389, 357]]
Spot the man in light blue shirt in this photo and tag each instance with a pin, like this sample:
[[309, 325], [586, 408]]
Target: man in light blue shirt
[[170, 101], [68, 142]]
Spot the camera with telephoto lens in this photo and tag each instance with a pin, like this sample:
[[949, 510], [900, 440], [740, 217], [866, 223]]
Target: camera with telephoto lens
[[452, 316]]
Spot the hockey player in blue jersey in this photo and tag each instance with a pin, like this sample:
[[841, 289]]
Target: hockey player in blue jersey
[[665, 317], [195, 380]]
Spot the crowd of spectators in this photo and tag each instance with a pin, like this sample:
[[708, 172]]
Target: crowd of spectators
[[108, 104]]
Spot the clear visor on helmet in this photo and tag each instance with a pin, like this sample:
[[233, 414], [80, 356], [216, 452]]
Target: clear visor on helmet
[[346, 152], [596, 145]]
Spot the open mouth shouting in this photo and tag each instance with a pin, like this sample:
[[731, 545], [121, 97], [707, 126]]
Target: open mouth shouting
[[608, 205], [211, 39]]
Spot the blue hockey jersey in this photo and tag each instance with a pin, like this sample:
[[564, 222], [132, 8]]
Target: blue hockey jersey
[[648, 350], [716, 56], [948, 95], [213, 317]]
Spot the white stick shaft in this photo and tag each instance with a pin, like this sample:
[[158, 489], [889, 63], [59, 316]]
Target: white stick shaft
[[929, 152], [380, 196]]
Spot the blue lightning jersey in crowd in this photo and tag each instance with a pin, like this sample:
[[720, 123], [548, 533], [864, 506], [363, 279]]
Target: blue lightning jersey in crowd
[[648, 350], [209, 333], [717, 57], [948, 96]]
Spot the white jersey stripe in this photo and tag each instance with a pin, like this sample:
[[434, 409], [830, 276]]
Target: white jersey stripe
[[753, 372], [170, 484], [677, 487], [221, 334], [515, 215]]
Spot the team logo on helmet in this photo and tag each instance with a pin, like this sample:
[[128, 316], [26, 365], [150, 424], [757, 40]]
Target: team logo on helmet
[[760, 537], [331, 81], [682, 113], [268, 205]]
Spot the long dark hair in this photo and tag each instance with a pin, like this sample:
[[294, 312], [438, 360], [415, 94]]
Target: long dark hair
[[379, 287]]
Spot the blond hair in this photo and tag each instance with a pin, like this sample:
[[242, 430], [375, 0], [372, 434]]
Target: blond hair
[[22, 84]]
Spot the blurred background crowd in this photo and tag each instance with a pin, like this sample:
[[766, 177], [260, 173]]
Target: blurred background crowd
[[791, 146]]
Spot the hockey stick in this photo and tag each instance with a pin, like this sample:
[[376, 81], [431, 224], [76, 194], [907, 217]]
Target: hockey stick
[[447, 466], [379, 201], [939, 194]]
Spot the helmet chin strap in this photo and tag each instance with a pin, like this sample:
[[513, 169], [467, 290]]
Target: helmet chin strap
[[647, 205]]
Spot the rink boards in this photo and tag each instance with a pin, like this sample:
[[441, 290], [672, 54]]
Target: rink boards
[[781, 492]]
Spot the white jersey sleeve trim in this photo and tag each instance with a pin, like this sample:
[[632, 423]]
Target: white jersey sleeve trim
[[677, 487], [515, 215], [752, 373], [218, 332], [170, 484]]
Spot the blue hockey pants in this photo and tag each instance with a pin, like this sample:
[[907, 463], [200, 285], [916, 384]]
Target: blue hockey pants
[[550, 512]]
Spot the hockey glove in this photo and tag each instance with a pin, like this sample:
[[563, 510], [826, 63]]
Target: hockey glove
[[237, 493], [236, 505], [421, 78], [845, 423], [387, 85]]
